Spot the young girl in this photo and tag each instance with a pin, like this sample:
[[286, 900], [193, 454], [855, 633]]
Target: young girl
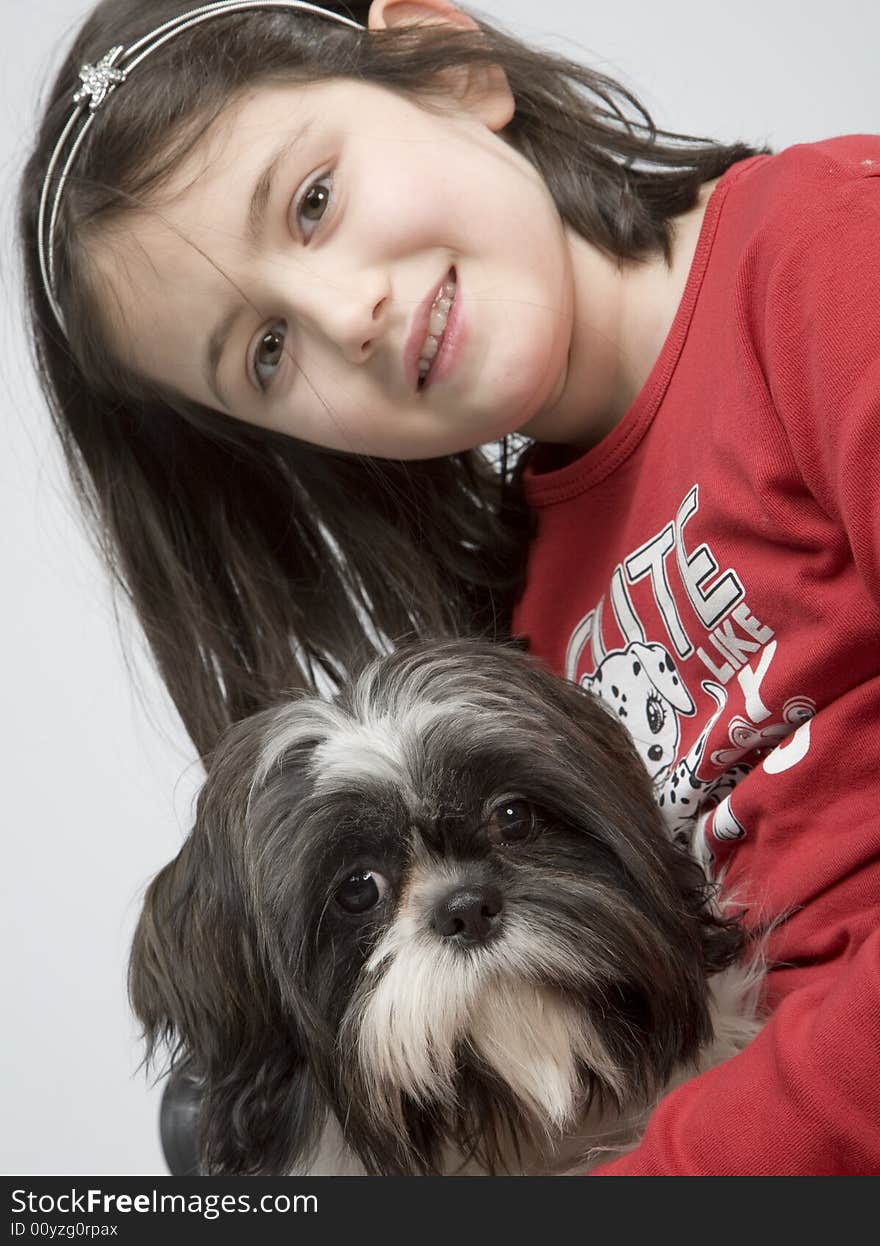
[[289, 273]]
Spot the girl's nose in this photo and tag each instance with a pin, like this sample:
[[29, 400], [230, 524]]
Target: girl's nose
[[350, 312]]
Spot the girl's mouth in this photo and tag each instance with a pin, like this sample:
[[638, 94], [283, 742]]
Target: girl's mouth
[[437, 327]]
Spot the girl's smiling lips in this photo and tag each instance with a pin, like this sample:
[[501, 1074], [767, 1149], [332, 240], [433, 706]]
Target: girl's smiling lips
[[419, 331]]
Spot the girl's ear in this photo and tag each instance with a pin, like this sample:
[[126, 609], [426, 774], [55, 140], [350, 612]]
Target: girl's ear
[[385, 13], [483, 89]]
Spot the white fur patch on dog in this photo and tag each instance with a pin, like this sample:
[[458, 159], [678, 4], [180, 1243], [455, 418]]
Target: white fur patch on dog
[[421, 998], [532, 1038], [374, 752], [293, 724], [427, 997], [372, 744]]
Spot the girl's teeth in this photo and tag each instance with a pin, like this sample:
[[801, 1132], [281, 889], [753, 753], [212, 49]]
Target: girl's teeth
[[436, 326], [438, 318]]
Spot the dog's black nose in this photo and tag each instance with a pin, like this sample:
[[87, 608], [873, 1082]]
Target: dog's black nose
[[470, 914]]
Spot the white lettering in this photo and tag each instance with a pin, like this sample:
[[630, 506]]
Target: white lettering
[[750, 624], [584, 631], [723, 674], [627, 619], [737, 646], [750, 681], [650, 560], [784, 756], [711, 602], [717, 639]]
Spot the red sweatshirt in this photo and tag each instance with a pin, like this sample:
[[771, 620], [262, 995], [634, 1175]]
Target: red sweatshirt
[[712, 569]]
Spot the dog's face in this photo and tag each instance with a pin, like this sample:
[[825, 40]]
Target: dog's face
[[442, 907]]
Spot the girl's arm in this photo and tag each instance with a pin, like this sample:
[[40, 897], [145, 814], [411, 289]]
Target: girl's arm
[[804, 1098]]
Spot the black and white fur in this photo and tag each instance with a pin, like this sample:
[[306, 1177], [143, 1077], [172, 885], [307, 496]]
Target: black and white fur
[[433, 926]]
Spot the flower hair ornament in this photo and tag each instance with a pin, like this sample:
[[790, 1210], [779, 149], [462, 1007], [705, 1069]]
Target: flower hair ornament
[[98, 83]]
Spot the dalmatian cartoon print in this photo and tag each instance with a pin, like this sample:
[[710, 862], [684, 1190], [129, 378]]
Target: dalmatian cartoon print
[[641, 683], [687, 797]]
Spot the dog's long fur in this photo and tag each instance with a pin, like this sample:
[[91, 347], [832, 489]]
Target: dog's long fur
[[591, 968]]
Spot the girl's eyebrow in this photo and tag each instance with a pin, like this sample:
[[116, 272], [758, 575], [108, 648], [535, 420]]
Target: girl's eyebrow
[[254, 229], [262, 192]]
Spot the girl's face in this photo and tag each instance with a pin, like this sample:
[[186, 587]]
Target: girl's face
[[286, 275]]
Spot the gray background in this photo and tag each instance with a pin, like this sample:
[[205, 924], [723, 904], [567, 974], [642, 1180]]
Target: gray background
[[98, 776]]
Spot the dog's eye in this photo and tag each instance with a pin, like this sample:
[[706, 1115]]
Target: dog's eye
[[361, 891], [511, 822]]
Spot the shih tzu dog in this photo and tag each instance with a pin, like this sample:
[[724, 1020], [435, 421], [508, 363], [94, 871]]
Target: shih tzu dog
[[434, 926]]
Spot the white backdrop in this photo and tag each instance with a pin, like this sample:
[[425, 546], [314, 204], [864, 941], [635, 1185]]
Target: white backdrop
[[98, 779]]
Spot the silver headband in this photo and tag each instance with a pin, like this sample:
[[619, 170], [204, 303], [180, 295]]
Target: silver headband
[[99, 81]]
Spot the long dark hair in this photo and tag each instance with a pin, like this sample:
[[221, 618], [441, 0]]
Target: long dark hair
[[253, 560]]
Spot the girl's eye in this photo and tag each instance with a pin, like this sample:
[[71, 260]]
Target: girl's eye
[[511, 822], [270, 349], [268, 354], [313, 204], [361, 891]]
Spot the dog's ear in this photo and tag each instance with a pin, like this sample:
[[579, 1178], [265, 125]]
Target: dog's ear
[[199, 984], [610, 748], [723, 935]]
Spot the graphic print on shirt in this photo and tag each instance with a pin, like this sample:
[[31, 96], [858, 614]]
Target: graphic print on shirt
[[640, 680], [642, 686]]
